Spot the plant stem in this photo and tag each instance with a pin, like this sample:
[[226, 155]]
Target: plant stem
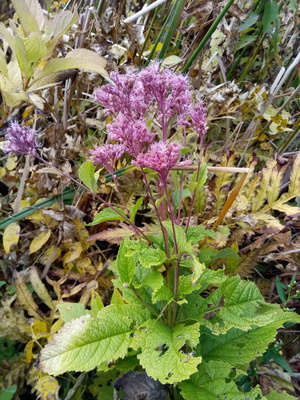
[[163, 229]]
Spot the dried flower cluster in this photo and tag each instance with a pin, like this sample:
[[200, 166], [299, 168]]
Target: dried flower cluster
[[131, 99]]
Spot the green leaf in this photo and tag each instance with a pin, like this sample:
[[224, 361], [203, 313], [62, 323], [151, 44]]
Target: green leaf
[[108, 215], [60, 24], [125, 264], [176, 196], [270, 16], [134, 209], [79, 58], [154, 280], [151, 257], [96, 304], [180, 236], [251, 20], [215, 380], [238, 347], [69, 311], [273, 395], [135, 312], [238, 304], [27, 19], [244, 41], [197, 267], [202, 177], [281, 289], [162, 354], [197, 233], [8, 393], [87, 175], [86, 342]]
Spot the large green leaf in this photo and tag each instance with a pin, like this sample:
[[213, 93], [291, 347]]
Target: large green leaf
[[85, 342], [238, 347], [161, 350], [215, 381]]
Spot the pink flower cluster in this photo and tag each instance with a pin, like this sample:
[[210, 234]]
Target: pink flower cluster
[[161, 157], [130, 99]]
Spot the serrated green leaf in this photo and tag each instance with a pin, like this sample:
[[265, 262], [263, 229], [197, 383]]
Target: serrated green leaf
[[238, 347], [87, 175], [197, 267], [152, 257], [197, 233], [273, 395], [215, 380], [86, 342], [108, 215], [134, 209], [180, 236], [154, 280], [161, 351], [70, 311], [125, 264], [135, 312]]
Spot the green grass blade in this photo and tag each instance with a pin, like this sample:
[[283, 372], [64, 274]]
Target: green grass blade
[[207, 36]]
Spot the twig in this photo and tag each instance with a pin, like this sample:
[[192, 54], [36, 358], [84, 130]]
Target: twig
[[145, 10]]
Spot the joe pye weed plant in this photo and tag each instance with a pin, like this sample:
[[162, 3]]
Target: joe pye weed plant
[[187, 326]]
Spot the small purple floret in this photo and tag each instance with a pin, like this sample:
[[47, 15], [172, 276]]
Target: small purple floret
[[161, 157], [198, 116], [20, 140], [107, 155]]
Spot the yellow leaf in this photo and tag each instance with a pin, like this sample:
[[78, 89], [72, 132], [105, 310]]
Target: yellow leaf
[[28, 351], [11, 236], [39, 241], [84, 265], [2, 172], [56, 326], [48, 387], [39, 327], [26, 300], [74, 252], [11, 163], [40, 288], [50, 255], [287, 209]]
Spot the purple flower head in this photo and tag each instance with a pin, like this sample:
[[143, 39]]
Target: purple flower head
[[20, 140], [107, 155], [133, 133], [125, 95], [161, 157], [170, 91], [198, 116]]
